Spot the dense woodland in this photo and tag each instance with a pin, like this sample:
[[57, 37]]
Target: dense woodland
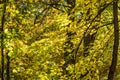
[[59, 40]]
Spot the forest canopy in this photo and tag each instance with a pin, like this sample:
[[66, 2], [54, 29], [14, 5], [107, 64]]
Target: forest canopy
[[59, 40]]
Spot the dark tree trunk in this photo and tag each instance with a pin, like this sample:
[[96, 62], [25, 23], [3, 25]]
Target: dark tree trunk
[[2, 56], [88, 43], [88, 39], [116, 41], [8, 67], [2, 39]]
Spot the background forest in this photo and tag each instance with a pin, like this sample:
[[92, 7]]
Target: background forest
[[59, 39]]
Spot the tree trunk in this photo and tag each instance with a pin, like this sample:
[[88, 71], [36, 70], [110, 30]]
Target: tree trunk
[[2, 39], [116, 41], [88, 39], [8, 67]]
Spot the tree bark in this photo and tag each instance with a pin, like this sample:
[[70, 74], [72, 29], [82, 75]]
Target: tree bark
[[2, 39], [88, 39], [116, 41], [7, 66]]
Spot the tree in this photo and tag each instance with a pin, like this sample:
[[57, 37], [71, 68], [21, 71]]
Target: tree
[[2, 39], [68, 45], [116, 41], [58, 39]]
